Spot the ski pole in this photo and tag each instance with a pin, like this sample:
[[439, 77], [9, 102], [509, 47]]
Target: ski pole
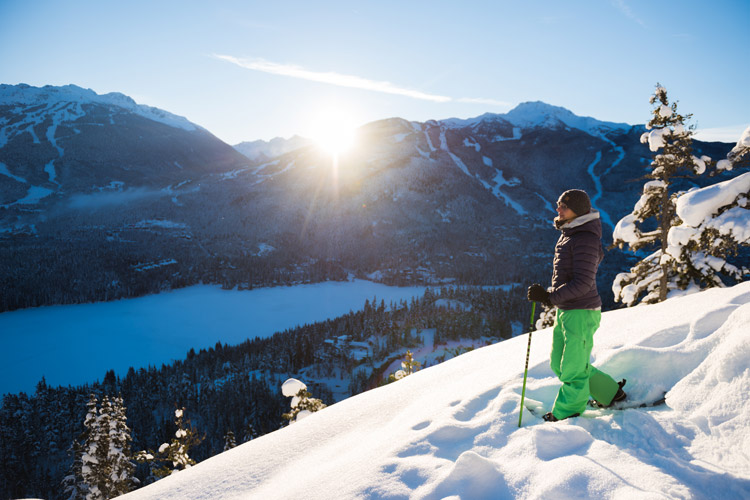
[[526, 369]]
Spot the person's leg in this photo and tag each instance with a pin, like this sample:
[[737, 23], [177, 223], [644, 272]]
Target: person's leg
[[602, 387], [558, 343], [577, 328]]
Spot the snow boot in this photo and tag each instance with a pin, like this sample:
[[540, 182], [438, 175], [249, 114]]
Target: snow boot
[[549, 417], [619, 396]]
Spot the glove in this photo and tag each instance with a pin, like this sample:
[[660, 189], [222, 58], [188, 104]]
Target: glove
[[537, 293]]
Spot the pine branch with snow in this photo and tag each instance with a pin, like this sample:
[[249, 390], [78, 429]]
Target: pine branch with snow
[[739, 155], [712, 244]]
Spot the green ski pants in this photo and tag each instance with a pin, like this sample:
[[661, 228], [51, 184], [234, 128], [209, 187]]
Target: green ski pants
[[572, 340]]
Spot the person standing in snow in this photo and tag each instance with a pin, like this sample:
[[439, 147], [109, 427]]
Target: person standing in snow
[[578, 253]]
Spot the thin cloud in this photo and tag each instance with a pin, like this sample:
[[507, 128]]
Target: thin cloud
[[331, 78], [625, 9], [350, 81]]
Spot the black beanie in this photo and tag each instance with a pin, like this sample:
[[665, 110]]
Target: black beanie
[[576, 200]]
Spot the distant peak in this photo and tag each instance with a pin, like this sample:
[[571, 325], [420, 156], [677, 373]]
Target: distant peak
[[536, 112]]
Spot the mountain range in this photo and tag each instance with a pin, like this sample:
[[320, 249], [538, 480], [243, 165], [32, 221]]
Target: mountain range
[[102, 198]]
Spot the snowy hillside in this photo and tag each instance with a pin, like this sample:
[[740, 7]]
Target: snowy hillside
[[453, 429]]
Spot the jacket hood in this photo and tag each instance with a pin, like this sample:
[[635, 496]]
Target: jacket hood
[[588, 222]]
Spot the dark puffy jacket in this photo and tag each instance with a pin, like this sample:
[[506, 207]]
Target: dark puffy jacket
[[577, 256]]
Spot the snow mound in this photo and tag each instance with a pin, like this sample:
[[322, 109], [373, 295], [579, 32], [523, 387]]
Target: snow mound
[[451, 431]]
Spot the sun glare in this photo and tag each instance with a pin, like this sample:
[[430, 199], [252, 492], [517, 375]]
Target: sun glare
[[334, 132]]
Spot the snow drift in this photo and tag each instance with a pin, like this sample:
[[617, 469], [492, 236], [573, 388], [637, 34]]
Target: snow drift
[[452, 430]]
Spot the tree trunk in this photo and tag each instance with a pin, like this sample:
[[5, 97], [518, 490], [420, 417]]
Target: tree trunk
[[664, 224]]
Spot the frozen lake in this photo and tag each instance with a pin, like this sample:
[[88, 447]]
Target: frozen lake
[[75, 344]]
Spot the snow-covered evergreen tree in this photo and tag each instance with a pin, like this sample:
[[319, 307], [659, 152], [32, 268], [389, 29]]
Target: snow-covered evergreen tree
[[119, 455], [101, 472], [410, 365], [73, 485], [103, 462], [303, 404], [250, 433], [671, 141], [229, 440], [173, 456], [90, 471], [546, 317]]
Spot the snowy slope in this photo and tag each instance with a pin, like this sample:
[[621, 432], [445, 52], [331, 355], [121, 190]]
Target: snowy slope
[[453, 429]]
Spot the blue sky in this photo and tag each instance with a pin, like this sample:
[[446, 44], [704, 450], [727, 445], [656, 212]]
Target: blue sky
[[249, 70]]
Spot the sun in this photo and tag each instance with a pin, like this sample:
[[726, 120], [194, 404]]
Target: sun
[[334, 131]]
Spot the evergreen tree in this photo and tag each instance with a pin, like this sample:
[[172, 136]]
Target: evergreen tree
[[102, 468], [73, 484], [410, 365], [546, 317], [671, 141], [90, 471], [229, 440], [250, 433], [101, 465], [120, 458], [303, 404], [173, 456]]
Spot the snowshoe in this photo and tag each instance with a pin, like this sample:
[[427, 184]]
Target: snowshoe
[[620, 395], [549, 417]]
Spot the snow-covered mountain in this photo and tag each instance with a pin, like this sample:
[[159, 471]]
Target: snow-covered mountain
[[529, 115], [452, 430], [133, 200], [265, 150], [48, 98], [56, 142]]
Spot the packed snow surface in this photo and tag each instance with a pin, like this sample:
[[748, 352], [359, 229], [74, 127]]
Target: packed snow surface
[[451, 431], [77, 344]]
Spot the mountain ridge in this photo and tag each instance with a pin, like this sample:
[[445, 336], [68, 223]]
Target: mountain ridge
[[28, 95], [536, 114]]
